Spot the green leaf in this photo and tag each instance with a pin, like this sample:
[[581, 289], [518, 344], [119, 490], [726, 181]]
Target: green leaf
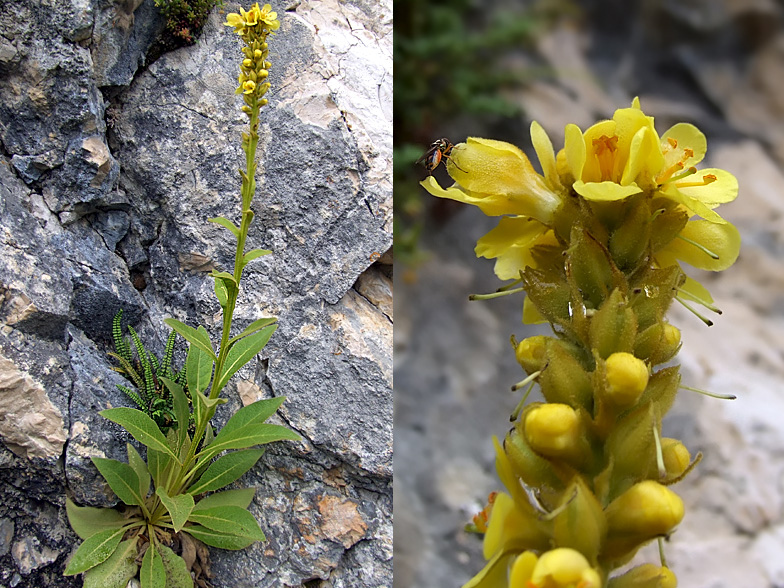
[[121, 478], [179, 507], [228, 280], [203, 405], [198, 368], [243, 351], [224, 222], [86, 521], [94, 550], [248, 436], [180, 405], [257, 412], [254, 254], [221, 293], [177, 574], [231, 520], [140, 426], [253, 327], [199, 338], [158, 464], [217, 539], [225, 470], [240, 498], [152, 574], [116, 570], [137, 463]]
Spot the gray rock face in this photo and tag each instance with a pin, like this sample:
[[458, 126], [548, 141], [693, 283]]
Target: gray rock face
[[104, 205]]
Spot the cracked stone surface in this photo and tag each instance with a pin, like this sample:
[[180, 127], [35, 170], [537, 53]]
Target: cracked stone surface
[[110, 167]]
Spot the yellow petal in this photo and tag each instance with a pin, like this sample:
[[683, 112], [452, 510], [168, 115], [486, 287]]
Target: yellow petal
[[645, 159], [493, 575], [574, 148], [605, 191], [510, 242], [498, 178], [564, 567], [694, 205], [697, 290], [522, 569], [531, 316], [721, 186], [546, 154], [723, 240], [593, 171], [678, 139]]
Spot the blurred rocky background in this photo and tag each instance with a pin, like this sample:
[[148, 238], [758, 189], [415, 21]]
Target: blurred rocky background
[[718, 64], [114, 150]]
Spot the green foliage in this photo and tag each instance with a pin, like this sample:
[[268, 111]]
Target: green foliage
[[145, 371], [185, 18]]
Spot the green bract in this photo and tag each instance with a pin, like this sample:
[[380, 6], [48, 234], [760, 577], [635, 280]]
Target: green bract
[[168, 493]]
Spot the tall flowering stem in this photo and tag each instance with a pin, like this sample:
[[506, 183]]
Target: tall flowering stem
[[170, 499], [595, 242]]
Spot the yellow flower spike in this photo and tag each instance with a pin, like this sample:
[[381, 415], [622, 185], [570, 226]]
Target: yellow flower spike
[[510, 243], [627, 378], [498, 178]]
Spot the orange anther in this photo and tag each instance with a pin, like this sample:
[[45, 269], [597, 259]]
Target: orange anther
[[709, 178], [672, 142], [689, 153]]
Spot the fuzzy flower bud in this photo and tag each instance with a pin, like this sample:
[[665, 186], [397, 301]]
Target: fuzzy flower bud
[[646, 510], [645, 576], [627, 378], [530, 353], [247, 63], [676, 457], [554, 430]]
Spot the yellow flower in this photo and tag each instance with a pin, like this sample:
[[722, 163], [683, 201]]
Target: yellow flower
[[558, 568], [268, 17], [498, 178], [510, 244], [248, 87]]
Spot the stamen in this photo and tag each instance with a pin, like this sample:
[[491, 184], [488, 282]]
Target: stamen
[[519, 407], [700, 301], [706, 179], [659, 455], [694, 312], [702, 248], [495, 294], [509, 285], [530, 378], [673, 142], [706, 393], [604, 149], [661, 553], [667, 174]]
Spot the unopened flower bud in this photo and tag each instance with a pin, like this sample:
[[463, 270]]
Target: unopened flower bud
[[646, 510], [558, 568], [263, 102], [676, 457], [531, 352], [257, 53], [627, 378], [554, 430], [645, 576], [247, 63]]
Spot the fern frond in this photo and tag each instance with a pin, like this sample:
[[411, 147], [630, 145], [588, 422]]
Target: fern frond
[[126, 369], [133, 396], [120, 343], [144, 356], [168, 355]]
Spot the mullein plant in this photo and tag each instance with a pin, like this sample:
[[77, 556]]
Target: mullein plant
[[595, 243], [169, 503]]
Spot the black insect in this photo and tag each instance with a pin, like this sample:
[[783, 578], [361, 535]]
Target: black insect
[[439, 149]]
